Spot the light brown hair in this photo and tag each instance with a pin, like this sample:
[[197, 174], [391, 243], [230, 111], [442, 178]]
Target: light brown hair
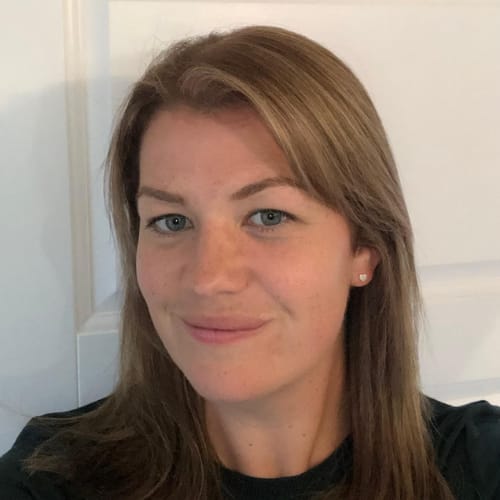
[[148, 439]]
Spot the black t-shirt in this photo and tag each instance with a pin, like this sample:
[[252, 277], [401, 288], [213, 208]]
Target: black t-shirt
[[466, 439]]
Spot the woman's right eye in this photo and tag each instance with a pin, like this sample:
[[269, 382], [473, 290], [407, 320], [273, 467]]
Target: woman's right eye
[[165, 224]]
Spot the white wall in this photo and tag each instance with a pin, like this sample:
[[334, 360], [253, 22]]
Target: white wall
[[433, 70], [37, 333]]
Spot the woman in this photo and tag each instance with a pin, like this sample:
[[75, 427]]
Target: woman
[[269, 326]]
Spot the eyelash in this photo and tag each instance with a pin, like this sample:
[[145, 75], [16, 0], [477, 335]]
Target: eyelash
[[151, 223]]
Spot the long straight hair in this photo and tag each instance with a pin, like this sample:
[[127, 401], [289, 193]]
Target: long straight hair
[[148, 439]]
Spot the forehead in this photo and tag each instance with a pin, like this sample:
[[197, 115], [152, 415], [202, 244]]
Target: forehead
[[185, 142]]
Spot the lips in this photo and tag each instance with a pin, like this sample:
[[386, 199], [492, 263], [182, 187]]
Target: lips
[[221, 330], [224, 323]]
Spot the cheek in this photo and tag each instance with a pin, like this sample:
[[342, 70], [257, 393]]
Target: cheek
[[317, 291], [316, 272], [148, 278]]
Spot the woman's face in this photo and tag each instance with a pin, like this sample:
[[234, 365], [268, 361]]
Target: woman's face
[[288, 268]]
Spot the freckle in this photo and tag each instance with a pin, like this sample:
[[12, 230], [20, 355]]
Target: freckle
[[290, 426], [304, 434], [250, 444]]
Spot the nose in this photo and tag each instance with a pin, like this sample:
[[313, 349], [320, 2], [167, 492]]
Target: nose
[[218, 261]]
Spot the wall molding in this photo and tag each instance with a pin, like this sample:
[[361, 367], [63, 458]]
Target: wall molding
[[467, 279], [78, 161], [472, 3]]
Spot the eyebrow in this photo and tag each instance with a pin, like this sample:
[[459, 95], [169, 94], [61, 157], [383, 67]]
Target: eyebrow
[[242, 193]]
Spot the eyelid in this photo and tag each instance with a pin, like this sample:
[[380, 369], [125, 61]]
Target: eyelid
[[288, 217]]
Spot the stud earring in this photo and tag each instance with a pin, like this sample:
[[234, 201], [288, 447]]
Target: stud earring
[[363, 277]]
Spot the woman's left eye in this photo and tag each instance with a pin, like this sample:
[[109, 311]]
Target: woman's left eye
[[273, 216]]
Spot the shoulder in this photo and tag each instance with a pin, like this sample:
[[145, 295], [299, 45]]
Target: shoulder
[[467, 443], [15, 483]]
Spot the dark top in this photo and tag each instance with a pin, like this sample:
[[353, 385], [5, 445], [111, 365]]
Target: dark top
[[466, 439]]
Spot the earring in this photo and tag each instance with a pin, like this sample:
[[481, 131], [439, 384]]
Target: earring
[[363, 277]]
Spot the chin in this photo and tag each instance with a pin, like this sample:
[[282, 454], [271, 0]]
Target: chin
[[226, 388]]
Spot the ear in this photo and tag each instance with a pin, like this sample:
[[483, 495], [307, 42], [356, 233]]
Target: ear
[[364, 263]]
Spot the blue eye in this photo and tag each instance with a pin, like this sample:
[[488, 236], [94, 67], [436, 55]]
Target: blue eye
[[272, 216], [168, 225]]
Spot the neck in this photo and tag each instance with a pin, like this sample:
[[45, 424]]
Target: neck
[[284, 433]]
